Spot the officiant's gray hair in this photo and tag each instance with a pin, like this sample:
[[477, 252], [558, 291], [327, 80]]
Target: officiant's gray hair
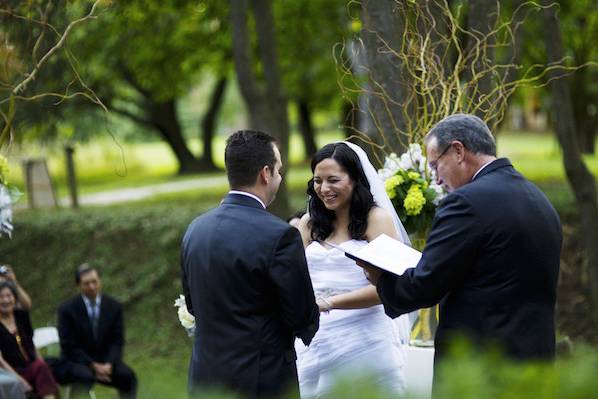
[[468, 129]]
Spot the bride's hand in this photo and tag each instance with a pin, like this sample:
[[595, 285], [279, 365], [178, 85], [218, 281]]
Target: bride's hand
[[324, 304]]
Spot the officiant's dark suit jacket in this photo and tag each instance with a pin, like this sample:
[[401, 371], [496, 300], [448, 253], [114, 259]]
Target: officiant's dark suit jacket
[[246, 281], [492, 260]]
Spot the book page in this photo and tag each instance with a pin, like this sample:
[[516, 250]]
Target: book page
[[386, 253]]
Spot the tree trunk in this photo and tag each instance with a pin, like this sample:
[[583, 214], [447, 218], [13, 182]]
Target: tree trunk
[[267, 108], [349, 119], [208, 123], [586, 122], [581, 180], [515, 51], [481, 20], [306, 128], [382, 32], [163, 117]]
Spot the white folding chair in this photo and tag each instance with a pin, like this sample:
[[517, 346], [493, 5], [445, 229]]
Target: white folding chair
[[46, 336]]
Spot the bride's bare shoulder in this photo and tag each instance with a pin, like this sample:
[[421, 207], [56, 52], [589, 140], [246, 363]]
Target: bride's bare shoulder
[[378, 215], [379, 222]]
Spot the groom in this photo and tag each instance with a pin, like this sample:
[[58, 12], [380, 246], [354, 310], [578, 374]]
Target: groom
[[246, 281], [492, 256]]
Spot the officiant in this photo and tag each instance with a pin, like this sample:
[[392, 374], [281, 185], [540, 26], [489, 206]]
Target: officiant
[[492, 256]]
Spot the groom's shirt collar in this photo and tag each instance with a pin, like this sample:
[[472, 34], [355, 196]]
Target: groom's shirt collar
[[245, 193]]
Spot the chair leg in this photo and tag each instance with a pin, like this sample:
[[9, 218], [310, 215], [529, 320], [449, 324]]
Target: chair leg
[[66, 392]]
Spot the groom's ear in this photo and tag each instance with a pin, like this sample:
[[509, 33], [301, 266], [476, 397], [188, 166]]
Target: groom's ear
[[264, 175]]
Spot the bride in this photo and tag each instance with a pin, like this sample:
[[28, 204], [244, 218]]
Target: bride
[[349, 207]]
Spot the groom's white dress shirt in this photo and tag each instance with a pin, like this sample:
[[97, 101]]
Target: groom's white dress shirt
[[245, 193]]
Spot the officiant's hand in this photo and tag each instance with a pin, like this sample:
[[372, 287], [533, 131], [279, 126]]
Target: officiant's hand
[[371, 273]]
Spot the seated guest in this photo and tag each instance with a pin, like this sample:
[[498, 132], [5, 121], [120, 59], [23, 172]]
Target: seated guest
[[16, 344], [23, 300], [90, 327], [12, 385]]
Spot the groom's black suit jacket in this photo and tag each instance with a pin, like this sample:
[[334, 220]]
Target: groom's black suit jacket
[[492, 260], [245, 279]]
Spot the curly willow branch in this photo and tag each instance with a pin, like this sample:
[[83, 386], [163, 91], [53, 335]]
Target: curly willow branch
[[16, 90], [442, 68]]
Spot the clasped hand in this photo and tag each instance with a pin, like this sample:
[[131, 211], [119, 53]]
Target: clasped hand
[[103, 371]]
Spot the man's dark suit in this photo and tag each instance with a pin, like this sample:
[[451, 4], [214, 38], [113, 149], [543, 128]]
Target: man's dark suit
[[245, 279], [493, 258], [79, 348]]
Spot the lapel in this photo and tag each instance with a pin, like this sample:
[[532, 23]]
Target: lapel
[[103, 317], [494, 165], [243, 200], [83, 315]]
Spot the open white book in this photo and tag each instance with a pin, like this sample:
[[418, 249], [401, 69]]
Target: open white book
[[385, 253]]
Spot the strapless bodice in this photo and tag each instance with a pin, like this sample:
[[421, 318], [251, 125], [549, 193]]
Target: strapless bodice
[[331, 271]]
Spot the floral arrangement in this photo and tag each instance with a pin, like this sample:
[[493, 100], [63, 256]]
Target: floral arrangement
[[8, 196], [411, 187], [187, 319]]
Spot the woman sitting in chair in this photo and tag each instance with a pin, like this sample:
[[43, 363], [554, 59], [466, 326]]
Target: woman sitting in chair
[[16, 345]]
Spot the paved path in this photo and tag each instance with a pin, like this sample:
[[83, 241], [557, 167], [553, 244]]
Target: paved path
[[139, 193]]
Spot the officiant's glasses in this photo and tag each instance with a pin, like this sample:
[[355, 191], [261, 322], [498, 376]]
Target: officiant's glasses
[[434, 164]]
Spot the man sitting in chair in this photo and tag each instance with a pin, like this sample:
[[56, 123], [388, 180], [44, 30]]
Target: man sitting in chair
[[90, 327]]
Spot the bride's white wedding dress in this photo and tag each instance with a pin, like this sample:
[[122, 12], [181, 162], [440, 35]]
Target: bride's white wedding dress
[[349, 342]]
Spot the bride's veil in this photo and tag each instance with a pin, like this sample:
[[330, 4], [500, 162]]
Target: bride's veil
[[378, 192], [402, 323]]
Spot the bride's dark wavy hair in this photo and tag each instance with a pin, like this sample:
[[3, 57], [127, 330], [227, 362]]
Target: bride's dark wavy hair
[[321, 219]]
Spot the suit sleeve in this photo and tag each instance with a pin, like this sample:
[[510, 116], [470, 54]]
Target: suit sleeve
[[68, 343], [290, 276], [116, 339], [184, 281], [446, 260]]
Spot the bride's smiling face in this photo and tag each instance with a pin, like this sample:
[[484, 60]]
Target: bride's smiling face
[[333, 185]]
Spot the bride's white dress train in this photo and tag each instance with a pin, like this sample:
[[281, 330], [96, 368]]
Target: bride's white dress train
[[349, 342]]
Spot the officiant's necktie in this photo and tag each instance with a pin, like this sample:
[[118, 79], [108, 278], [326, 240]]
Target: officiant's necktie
[[95, 316]]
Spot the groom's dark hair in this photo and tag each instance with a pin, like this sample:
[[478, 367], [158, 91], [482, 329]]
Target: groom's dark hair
[[246, 153]]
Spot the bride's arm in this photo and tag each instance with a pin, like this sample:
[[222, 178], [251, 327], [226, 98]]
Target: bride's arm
[[305, 230], [379, 221], [358, 299]]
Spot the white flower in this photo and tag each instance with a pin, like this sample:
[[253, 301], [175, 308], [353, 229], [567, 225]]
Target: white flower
[[440, 193], [391, 166], [187, 319], [5, 211]]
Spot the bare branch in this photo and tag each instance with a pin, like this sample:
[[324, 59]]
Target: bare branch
[[30, 76], [441, 74]]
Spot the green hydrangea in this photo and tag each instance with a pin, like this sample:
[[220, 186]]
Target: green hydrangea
[[391, 183], [3, 169], [414, 201], [414, 175]]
